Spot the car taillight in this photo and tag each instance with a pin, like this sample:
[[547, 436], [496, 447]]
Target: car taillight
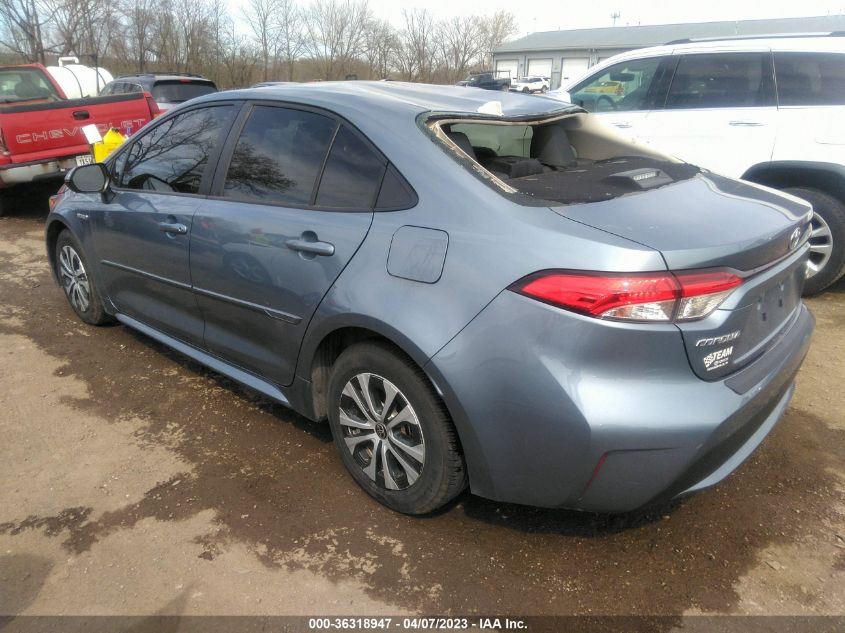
[[632, 296]]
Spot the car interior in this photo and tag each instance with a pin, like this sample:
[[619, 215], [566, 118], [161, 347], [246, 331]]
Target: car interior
[[564, 160]]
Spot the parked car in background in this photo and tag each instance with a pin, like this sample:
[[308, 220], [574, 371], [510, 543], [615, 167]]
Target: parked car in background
[[488, 80], [168, 89], [531, 84], [523, 300], [41, 129], [767, 110]]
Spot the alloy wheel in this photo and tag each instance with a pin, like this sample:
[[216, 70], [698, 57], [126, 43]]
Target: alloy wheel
[[74, 279], [382, 432], [821, 245]]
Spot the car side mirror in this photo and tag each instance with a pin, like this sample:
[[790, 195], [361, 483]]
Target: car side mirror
[[93, 178]]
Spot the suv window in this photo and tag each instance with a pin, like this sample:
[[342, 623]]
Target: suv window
[[173, 156], [352, 175], [722, 80], [278, 156], [179, 90], [810, 78], [622, 87]]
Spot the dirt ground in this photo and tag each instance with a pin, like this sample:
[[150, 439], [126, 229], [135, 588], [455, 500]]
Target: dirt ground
[[133, 481]]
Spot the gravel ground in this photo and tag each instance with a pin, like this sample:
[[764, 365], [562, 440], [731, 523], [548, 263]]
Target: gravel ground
[[133, 481]]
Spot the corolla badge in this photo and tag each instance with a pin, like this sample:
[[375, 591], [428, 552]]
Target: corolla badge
[[717, 340], [794, 238]]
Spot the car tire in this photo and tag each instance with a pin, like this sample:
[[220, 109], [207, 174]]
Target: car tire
[[827, 241], [73, 274], [505, 88], [526, 90], [413, 467], [544, 89]]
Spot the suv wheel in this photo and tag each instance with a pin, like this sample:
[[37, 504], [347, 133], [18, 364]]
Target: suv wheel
[[393, 433], [827, 239], [72, 271]]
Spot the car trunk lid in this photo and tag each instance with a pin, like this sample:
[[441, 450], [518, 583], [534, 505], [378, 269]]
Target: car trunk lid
[[712, 222]]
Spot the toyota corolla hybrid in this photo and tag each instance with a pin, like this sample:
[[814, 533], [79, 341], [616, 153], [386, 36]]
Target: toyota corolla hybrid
[[496, 294]]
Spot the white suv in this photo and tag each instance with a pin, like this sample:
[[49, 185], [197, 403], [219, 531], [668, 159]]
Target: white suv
[[768, 110], [535, 83]]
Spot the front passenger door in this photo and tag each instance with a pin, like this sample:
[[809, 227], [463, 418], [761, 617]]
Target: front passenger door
[[142, 234], [623, 93]]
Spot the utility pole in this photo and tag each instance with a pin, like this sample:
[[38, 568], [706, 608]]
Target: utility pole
[[615, 16]]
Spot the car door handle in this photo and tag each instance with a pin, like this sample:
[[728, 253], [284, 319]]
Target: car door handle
[[81, 115], [622, 124], [306, 246], [173, 227], [747, 123]]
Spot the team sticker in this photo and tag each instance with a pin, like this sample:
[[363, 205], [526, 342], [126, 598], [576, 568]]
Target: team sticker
[[719, 358]]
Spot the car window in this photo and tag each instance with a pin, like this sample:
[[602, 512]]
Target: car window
[[723, 80], [352, 174], [622, 87], [173, 156], [810, 78], [503, 140], [278, 156]]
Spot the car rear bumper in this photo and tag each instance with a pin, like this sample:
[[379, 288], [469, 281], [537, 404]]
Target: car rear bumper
[[558, 410]]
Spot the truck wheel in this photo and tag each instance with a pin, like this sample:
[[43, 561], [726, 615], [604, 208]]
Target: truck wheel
[[505, 88], [392, 431], [827, 240], [73, 273]]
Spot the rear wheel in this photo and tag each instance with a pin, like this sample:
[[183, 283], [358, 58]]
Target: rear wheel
[[73, 273], [827, 239], [505, 88], [526, 90], [392, 432]]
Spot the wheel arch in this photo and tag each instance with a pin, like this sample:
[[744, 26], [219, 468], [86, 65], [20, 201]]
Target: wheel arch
[[826, 177], [52, 231], [323, 346]]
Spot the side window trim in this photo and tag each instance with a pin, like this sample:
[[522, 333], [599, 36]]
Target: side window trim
[[238, 125], [659, 90], [213, 159]]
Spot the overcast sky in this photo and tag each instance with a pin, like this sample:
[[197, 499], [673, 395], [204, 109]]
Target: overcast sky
[[545, 15]]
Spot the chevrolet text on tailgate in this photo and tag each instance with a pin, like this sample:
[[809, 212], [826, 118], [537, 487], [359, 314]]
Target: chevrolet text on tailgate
[[41, 129]]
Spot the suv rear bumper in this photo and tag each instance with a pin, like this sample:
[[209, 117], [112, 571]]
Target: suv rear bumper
[[559, 410]]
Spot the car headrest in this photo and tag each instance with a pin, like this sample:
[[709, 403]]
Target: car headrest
[[462, 140], [550, 145]]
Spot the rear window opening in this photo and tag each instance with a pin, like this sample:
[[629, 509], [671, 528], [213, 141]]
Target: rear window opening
[[564, 160]]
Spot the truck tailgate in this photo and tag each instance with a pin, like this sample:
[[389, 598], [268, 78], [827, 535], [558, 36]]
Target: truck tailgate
[[43, 131]]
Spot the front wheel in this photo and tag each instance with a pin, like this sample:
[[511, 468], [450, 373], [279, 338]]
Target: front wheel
[[392, 432], [80, 289], [827, 239]]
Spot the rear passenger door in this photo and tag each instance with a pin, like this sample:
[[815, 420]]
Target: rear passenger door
[[719, 111], [293, 199]]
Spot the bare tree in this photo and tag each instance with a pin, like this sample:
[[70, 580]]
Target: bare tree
[[290, 30], [140, 17], [460, 42], [495, 29], [260, 16], [418, 46], [23, 22], [336, 32], [382, 44]]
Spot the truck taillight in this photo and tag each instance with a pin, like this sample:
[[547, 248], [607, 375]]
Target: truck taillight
[[152, 105], [632, 296]]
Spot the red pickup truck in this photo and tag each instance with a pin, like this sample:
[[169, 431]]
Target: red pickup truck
[[41, 129]]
